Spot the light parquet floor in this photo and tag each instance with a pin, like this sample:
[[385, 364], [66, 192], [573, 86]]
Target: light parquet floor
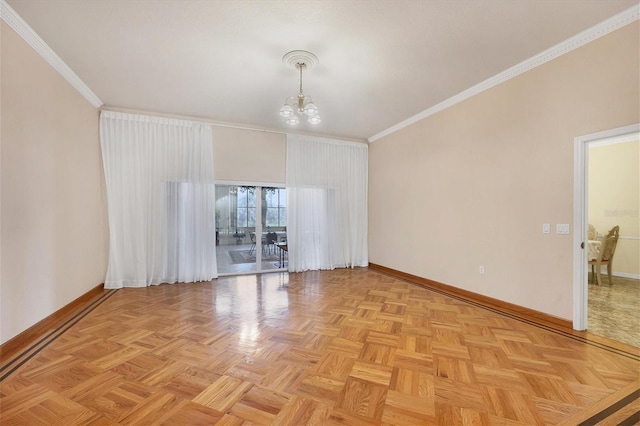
[[348, 346]]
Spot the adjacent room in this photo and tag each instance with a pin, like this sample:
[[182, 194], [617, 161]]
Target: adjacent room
[[614, 208], [347, 212]]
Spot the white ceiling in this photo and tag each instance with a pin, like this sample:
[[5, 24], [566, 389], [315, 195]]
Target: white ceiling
[[381, 62]]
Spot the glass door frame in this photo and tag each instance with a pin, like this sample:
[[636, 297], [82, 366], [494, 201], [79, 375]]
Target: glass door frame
[[259, 226]]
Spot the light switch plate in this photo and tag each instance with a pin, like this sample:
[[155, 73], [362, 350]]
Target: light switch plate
[[562, 228], [546, 228]]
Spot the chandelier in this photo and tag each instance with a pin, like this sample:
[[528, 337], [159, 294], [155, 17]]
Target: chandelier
[[300, 104]]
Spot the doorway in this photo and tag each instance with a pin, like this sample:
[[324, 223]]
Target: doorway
[[604, 210], [251, 231]]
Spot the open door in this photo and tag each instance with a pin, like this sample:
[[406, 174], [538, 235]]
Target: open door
[[580, 219], [250, 228]]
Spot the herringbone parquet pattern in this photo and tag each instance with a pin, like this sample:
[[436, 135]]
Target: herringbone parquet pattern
[[347, 346]]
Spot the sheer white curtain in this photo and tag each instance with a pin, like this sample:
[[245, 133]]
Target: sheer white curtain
[[326, 203], [161, 200]]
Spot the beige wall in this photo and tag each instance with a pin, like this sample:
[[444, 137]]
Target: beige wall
[[53, 208], [614, 199], [249, 155], [473, 184]]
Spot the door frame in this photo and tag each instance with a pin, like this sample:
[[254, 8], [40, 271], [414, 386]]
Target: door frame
[[580, 220]]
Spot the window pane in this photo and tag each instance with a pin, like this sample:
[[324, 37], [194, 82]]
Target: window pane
[[251, 196], [242, 218], [283, 217], [272, 216], [251, 220], [242, 197], [271, 197], [283, 197]]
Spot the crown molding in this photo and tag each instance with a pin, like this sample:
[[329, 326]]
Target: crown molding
[[615, 22], [18, 24]]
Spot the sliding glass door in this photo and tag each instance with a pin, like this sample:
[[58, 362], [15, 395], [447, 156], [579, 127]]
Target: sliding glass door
[[251, 230]]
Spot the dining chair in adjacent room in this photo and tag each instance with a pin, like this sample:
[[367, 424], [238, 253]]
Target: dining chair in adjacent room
[[270, 240], [252, 249], [605, 256], [592, 235]]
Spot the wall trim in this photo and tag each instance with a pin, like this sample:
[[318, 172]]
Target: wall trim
[[23, 29], [626, 275], [629, 137], [18, 344], [599, 30], [510, 309], [621, 274]]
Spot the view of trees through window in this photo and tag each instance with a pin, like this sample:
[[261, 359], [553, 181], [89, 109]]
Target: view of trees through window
[[246, 213], [274, 206]]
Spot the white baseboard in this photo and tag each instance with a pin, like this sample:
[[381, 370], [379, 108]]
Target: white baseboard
[[620, 274], [626, 275]]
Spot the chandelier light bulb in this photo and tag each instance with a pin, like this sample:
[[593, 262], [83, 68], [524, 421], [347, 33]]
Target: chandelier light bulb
[[310, 109], [286, 111], [293, 120], [314, 119]]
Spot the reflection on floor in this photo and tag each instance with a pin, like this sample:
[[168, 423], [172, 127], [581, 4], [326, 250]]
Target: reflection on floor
[[227, 261], [348, 347], [614, 310]]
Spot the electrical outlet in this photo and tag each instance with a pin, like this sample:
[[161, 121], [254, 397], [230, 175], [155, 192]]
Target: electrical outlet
[[481, 270]]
